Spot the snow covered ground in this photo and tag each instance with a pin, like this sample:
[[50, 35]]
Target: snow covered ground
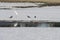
[[9, 5], [26, 33], [47, 13]]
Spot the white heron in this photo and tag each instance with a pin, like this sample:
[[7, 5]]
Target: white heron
[[16, 12]]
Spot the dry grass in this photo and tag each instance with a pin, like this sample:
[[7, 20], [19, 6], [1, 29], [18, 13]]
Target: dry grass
[[47, 1]]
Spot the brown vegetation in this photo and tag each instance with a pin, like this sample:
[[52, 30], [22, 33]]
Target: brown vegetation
[[46, 1]]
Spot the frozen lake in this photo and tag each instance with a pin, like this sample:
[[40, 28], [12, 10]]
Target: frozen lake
[[26, 33], [32, 33], [47, 13]]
